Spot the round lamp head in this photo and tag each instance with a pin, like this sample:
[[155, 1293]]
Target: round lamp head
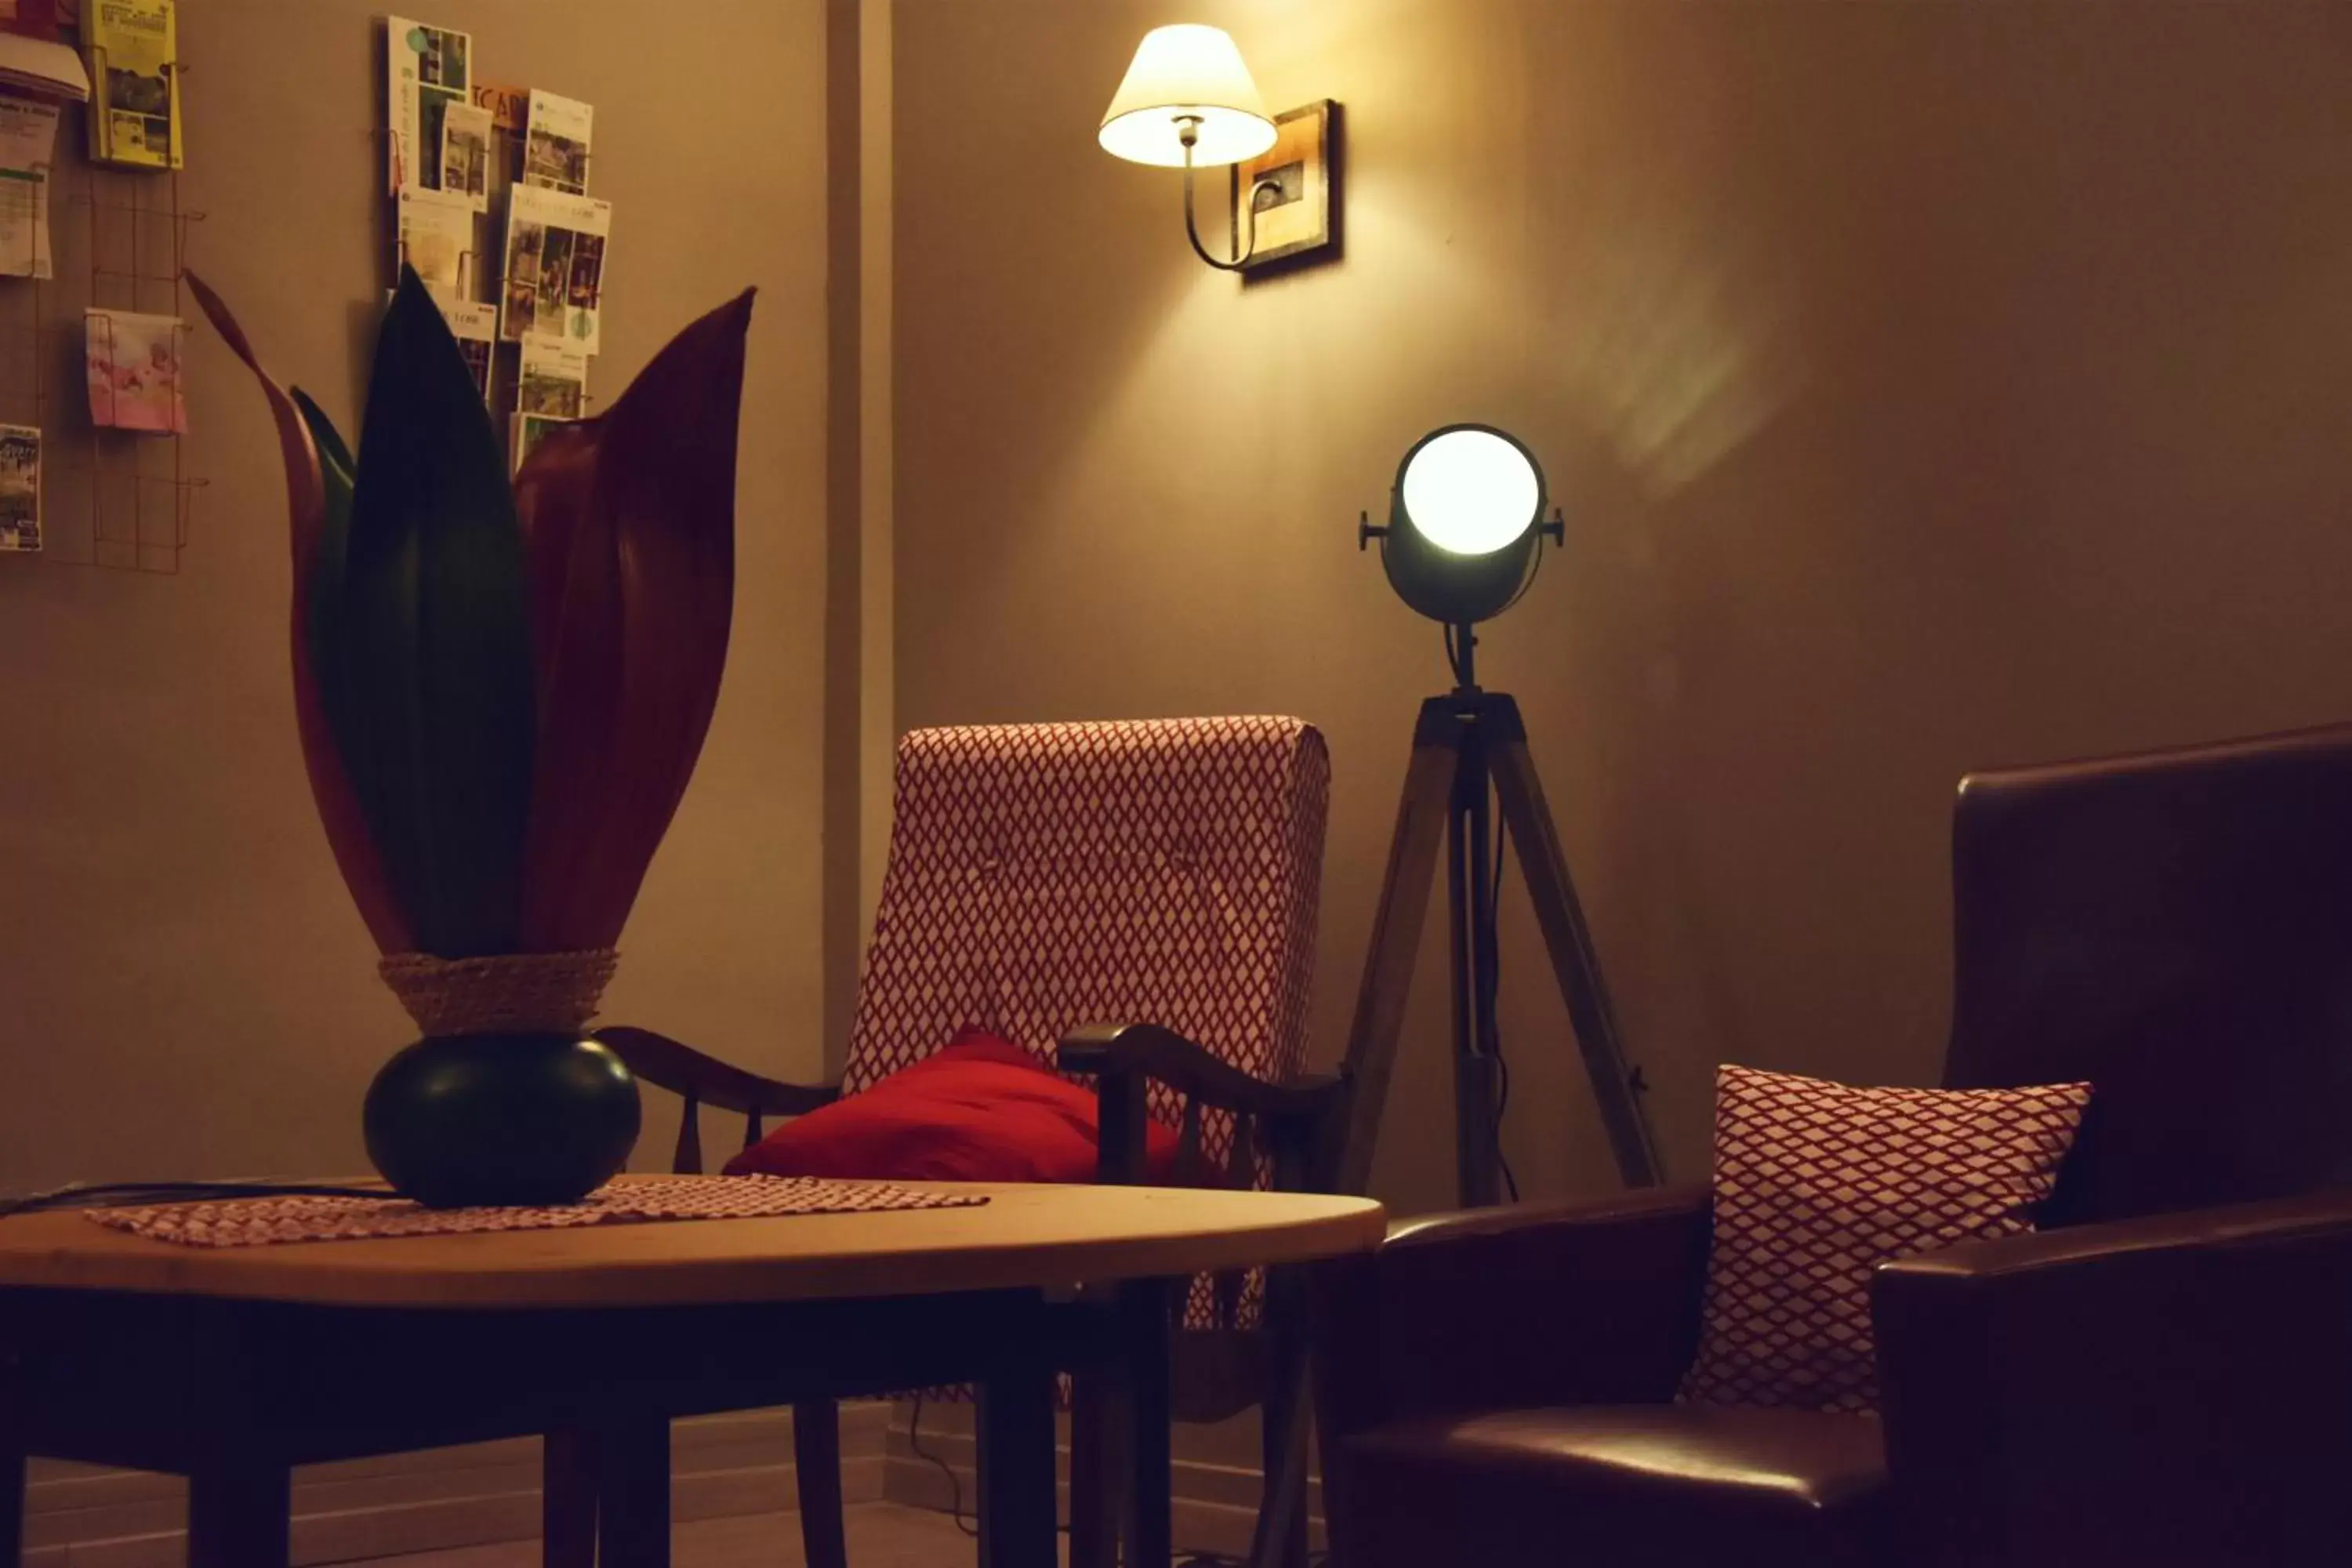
[[1464, 523], [1186, 75]]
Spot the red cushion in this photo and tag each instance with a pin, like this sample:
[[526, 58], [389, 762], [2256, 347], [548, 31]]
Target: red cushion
[[1817, 1183], [981, 1110]]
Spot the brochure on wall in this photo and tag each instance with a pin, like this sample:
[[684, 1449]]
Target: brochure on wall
[[555, 152], [465, 154], [134, 371], [134, 112], [555, 266], [436, 238], [28, 136], [20, 487], [428, 68], [475, 328], [42, 68], [553, 379], [526, 431]]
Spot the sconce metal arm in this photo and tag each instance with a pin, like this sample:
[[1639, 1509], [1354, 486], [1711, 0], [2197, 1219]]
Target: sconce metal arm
[[1189, 132]]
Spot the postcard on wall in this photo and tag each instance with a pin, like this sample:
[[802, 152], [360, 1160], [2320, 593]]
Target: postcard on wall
[[509, 107], [465, 154], [29, 135], [427, 69], [555, 151], [436, 238], [526, 431], [134, 371], [134, 72], [555, 267], [20, 487], [553, 379]]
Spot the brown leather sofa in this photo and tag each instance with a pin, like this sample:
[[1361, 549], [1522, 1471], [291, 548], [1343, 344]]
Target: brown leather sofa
[[2162, 1375]]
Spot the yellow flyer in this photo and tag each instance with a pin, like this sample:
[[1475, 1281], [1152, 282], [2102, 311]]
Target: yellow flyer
[[134, 107]]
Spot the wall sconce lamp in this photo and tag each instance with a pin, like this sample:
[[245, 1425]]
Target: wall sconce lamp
[[1189, 102]]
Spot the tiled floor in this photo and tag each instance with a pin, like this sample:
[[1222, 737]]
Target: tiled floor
[[881, 1535]]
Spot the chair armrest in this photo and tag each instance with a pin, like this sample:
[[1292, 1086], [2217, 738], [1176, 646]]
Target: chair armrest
[[1585, 1302], [1147, 1050], [2158, 1390], [681, 1069], [1124, 1060]]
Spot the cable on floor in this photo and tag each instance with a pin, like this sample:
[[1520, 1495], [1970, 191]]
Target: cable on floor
[[955, 1481], [120, 1195]]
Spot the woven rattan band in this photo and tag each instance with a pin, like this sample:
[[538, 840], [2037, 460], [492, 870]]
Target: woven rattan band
[[514, 993]]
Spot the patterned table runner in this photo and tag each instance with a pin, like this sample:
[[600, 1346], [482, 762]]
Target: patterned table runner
[[260, 1222]]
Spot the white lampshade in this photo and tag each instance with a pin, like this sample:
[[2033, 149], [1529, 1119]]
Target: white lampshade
[[1187, 71], [1471, 491]]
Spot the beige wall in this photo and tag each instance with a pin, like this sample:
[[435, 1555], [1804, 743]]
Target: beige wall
[[183, 986], [1928, 387]]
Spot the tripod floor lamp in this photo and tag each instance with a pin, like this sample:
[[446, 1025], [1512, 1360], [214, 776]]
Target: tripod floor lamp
[[1464, 535]]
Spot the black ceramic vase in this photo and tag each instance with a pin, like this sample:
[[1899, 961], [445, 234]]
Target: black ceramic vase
[[456, 1120]]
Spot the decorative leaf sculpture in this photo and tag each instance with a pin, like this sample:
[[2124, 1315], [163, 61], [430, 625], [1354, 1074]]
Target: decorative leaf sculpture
[[503, 691]]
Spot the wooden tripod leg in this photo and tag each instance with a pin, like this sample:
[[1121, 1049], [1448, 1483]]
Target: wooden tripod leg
[[1574, 965], [1422, 816]]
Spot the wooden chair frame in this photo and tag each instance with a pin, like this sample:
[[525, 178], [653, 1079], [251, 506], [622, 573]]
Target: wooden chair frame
[[1217, 1373]]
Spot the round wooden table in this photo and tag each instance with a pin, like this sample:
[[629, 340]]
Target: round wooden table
[[232, 1365]]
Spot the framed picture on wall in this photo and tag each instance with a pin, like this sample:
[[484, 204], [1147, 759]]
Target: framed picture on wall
[[1295, 187]]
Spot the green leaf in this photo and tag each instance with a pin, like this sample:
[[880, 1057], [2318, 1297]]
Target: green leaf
[[324, 618], [436, 629]]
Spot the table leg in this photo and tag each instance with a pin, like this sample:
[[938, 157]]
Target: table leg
[[567, 1508], [816, 1461], [1145, 1309], [1016, 1479], [12, 1506], [237, 1508], [633, 1493]]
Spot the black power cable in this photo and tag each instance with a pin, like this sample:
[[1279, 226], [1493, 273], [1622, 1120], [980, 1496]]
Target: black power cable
[[120, 1195], [955, 1481]]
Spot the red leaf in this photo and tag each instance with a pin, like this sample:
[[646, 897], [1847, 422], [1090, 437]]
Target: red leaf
[[330, 786], [630, 522]]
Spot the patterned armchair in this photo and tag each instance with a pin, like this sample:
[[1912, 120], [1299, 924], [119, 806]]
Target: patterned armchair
[[1135, 901]]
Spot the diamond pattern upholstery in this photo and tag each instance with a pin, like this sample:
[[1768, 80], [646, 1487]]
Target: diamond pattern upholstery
[[1817, 1183], [1042, 877]]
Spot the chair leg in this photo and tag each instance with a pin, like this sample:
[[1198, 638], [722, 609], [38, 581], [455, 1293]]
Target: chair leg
[[1281, 1538], [633, 1494], [816, 1459], [567, 1500], [1094, 1473]]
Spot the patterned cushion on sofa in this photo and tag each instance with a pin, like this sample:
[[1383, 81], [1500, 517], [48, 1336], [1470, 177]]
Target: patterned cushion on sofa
[[1817, 1183]]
